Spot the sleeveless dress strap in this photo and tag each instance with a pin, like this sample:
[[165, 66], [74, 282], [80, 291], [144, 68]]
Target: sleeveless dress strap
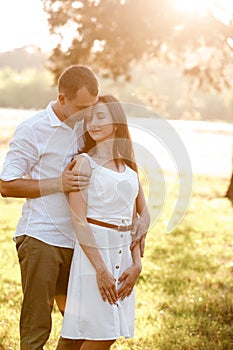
[[93, 164]]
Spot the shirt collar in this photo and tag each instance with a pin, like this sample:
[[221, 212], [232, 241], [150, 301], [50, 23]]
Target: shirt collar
[[55, 121]]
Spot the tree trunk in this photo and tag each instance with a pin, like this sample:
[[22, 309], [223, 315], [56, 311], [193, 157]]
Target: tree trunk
[[229, 193]]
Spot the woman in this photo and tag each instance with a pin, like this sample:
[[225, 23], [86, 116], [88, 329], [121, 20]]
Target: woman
[[100, 306]]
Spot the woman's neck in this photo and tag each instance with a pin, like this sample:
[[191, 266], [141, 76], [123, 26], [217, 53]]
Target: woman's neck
[[104, 151], [103, 155]]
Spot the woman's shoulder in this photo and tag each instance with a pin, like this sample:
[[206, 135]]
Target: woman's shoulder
[[83, 163]]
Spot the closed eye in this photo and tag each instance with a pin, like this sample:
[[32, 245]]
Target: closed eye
[[101, 115]]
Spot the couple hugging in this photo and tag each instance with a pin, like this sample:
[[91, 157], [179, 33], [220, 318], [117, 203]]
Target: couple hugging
[[82, 231]]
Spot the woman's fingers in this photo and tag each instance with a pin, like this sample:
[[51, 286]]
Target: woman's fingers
[[114, 294], [126, 293], [107, 286], [103, 294], [111, 295]]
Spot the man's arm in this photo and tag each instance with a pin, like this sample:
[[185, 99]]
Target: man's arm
[[22, 156], [28, 188], [141, 223]]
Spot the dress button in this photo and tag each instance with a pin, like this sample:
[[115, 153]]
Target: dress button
[[117, 266], [122, 235], [120, 251]]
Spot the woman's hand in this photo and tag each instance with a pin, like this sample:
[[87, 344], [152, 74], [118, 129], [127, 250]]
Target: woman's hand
[[128, 278], [107, 285]]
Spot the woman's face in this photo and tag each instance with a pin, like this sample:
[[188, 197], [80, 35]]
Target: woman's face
[[99, 123]]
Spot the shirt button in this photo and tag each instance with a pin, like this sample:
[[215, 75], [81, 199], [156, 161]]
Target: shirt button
[[117, 267], [122, 235], [120, 251]]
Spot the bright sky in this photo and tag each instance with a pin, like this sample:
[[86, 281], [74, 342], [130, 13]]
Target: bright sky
[[23, 22]]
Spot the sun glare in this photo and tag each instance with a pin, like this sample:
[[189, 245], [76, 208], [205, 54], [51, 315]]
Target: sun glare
[[222, 9], [23, 23], [27, 24], [190, 6]]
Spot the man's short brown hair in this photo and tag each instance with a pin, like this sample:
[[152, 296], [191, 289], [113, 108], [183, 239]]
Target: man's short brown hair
[[74, 78]]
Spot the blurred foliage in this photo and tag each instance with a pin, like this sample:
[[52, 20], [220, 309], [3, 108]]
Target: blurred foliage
[[110, 35], [25, 89], [23, 57], [26, 83]]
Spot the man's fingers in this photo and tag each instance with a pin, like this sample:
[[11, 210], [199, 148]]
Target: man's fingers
[[82, 179], [77, 182], [133, 244], [71, 164], [142, 245], [135, 228], [78, 178]]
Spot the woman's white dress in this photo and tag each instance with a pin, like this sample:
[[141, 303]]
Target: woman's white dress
[[111, 198]]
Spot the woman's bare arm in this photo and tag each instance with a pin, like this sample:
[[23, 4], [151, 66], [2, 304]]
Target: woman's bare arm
[[78, 207]]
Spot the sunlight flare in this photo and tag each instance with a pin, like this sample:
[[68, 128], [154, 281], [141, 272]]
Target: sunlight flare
[[222, 9], [190, 6]]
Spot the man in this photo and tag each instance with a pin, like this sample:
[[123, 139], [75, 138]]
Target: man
[[42, 150]]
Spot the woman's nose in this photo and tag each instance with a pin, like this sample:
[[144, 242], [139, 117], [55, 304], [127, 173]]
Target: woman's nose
[[94, 120]]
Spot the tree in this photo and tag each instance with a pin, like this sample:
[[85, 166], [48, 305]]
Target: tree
[[110, 35], [229, 192]]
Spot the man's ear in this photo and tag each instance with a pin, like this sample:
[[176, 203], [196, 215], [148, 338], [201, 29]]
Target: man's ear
[[61, 98]]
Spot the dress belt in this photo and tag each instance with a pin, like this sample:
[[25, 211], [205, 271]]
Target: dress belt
[[106, 224]]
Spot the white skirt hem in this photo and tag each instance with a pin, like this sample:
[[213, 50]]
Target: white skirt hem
[[89, 338]]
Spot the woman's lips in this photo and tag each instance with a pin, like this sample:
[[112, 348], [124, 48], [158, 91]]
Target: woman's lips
[[95, 130]]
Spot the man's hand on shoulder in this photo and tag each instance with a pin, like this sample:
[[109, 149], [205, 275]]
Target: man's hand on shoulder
[[75, 177]]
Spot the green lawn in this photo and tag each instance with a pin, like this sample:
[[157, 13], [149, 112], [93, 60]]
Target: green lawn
[[185, 292]]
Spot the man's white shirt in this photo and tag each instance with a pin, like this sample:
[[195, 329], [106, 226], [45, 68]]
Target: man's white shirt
[[41, 148]]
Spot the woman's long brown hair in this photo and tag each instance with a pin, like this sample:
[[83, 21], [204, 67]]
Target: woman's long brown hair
[[123, 146]]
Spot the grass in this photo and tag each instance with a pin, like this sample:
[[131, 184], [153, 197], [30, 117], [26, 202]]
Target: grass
[[185, 292]]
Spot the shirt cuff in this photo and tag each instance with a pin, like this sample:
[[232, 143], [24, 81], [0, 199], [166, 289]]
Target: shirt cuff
[[11, 172]]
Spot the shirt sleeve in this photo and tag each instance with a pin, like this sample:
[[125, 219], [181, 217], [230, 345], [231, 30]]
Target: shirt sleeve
[[23, 154]]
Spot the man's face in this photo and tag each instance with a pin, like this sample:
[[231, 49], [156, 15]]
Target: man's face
[[82, 100]]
